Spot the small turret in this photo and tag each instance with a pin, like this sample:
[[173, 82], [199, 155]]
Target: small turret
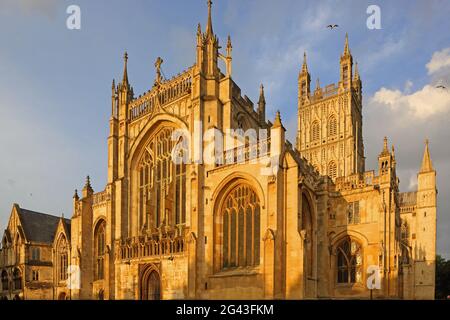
[[386, 159]]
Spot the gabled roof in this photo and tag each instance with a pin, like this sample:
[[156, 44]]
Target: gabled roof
[[39, 227]]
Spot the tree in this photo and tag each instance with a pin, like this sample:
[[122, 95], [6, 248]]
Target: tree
[[442, 278]]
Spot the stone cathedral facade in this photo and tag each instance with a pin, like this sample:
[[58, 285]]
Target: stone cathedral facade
[[265, 220]]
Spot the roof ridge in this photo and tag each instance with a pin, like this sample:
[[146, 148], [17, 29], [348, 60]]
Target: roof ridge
[[41, 213]]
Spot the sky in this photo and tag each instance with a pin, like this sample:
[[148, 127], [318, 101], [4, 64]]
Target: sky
[[55, 83]]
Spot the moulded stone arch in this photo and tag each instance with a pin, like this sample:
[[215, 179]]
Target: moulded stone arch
[[98, 220], [140, 142], [356, 235], [231, 181], [100, 254], [347, 265], [251, 210], [144, 282]]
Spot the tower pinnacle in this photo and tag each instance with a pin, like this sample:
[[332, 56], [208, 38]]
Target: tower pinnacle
[[427, 165], [356, 71], [304, 65], [277, 123], [346, 47], [209, 28], [125, 70]]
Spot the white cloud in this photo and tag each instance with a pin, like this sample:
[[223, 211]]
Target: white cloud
[[413, 181], [427, 102], [440, 60], [421, 105]]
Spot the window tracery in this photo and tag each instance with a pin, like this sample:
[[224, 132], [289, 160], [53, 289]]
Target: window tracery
[[241, 228], [349, 261], [162, 184]]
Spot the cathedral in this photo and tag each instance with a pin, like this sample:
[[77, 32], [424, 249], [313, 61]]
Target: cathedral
[[266, 219]]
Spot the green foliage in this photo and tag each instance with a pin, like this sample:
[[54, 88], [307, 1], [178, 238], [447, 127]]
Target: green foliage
[[442, 278]]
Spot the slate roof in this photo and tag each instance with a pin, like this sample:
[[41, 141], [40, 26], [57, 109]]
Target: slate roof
[[408, 198], [40, 227]]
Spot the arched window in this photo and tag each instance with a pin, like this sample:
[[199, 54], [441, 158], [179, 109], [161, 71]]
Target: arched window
[[62, 258], [405, 233], [307, 230], [5, 280], [332, 125], [349, 261], [315, 131], [332, 170], [99, 250], [162, 183], [17, 278], [241, 228]]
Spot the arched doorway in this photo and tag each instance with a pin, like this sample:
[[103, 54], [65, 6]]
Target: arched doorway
[[62, 296], [151, 285]]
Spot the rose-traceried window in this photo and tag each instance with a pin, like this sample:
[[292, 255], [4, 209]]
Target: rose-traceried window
[[241, 228], [162, 183], [349, 261]]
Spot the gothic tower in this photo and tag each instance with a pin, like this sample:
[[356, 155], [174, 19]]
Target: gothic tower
[[424, 244], [330, 121]]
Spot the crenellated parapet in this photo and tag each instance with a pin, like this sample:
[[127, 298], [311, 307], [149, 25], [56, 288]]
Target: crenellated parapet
[[161, 95]]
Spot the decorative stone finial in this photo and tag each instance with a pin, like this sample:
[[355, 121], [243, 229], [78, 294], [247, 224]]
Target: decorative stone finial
[[346, 46], [277, 122], [209, 28], [158, 64], [125, 70], [304, 65]]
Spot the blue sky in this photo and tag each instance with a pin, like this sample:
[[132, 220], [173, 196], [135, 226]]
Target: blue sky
[[55, 83]]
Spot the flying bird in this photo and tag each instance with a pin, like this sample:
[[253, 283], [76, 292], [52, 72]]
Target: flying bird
[[440, 87], [332, 26]]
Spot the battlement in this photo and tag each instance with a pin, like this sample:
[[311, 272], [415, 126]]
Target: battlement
[[356, 181]]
